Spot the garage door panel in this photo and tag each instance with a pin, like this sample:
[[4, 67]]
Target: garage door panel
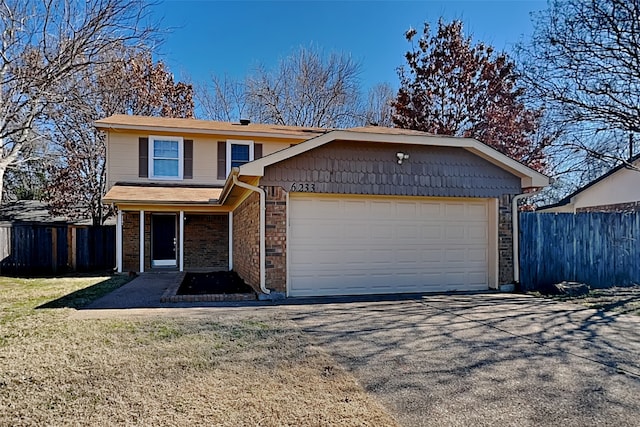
[[406, 232], [341, 246], [455, 232], [477, 255], [477, 210], [406, 210], [432, 232], [430, 209]]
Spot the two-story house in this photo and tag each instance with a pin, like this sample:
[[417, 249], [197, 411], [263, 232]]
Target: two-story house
[[308, 211]]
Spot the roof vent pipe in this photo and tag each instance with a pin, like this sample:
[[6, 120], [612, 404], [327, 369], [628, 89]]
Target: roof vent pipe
[[245, 122]]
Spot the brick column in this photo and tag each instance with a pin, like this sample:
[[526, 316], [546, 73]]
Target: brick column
[[505, 240], [276, 238], [130, 241]]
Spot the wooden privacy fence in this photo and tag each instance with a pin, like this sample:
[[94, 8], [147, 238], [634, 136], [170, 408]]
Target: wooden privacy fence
[[28, 249], [596, 248]]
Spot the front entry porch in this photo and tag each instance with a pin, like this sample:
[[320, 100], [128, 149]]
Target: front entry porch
[[172, 241]]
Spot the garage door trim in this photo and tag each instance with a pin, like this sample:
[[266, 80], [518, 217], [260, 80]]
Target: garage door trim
[[492, 227]]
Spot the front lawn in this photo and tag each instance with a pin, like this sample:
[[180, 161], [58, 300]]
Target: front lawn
[[231, 370]]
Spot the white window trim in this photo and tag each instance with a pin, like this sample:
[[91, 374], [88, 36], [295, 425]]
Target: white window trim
[[180, 141], [231, 142]]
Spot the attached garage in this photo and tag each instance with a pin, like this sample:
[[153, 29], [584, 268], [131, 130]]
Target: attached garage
[[379, 211], [346, 245]]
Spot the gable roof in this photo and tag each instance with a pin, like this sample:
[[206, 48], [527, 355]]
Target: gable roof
[[529, 177], [194, 126], [567, 200]]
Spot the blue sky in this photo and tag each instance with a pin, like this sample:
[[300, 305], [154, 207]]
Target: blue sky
[[230, 37]]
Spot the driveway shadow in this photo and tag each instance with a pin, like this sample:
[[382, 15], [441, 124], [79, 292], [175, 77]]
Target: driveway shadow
[[486, 359]]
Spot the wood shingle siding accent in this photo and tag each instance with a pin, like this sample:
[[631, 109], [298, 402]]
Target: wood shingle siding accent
[[222, 159], [143, 157], [373, 169], [188, 159]]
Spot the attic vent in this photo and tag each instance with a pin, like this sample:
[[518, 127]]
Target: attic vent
[[245, 122]]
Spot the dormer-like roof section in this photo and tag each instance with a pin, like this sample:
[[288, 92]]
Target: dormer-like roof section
[[529, 177]]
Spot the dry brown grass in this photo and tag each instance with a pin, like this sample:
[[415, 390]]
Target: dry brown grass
[[56, 369]]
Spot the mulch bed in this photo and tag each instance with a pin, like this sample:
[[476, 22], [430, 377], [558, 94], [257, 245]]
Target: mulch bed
[[218, 282]]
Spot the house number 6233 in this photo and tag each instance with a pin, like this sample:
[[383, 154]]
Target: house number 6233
[[303, 187]]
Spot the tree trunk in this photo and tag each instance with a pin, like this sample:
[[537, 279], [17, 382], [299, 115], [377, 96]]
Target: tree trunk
[[4, 164]]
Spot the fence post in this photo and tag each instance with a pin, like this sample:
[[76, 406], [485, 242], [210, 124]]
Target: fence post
[[54, 249]]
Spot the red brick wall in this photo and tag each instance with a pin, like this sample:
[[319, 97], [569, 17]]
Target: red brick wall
[[206, 242], [505, 240], [276, 238], [246, 240], [618, 207], [130, 241]]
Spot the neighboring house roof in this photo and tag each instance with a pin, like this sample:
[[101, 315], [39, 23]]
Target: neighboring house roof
[[528, 176], [161, 194], [193, 126], [37, 212], [569, 200], [29, 211]]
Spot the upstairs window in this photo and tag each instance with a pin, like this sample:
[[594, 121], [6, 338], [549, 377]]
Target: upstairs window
[[238, 153], [166, 157]]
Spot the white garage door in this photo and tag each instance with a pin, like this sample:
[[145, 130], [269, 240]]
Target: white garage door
[[350, 246]]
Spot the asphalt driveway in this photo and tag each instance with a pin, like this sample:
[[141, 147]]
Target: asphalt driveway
[[486, 359]]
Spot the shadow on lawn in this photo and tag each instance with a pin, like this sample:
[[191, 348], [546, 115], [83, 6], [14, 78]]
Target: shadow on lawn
[[85, 296]]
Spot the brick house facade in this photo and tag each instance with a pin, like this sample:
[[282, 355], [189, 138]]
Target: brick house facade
[[215, 224]]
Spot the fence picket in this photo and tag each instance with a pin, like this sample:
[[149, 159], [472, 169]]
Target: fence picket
[[28, 249], [600, 249]]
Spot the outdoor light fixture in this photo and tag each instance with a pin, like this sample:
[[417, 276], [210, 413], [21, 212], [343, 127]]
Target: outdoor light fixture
[[401, 157]]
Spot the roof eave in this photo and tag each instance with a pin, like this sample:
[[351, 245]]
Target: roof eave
[[212, 202], [248, 133]]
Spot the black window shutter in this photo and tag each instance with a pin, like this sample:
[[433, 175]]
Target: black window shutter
[[143, 157], [222, 160], [187, 170], [257, 151]]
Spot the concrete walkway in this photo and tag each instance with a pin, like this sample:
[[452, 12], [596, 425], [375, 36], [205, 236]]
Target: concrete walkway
[[144, 291]]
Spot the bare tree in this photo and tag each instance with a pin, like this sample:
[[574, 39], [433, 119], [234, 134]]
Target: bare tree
[[379, 110], [45, 43], [582, 63], [223, 99], [128, 81], [307, 88]]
